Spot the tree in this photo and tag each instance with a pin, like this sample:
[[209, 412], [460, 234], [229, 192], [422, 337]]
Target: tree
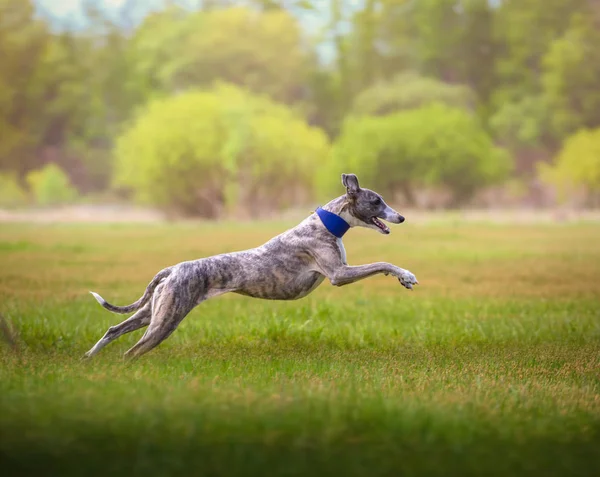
[[524, 29], [444, 39], [23, 42], [410, 91], [56, 103], [435, 145], [571, 77], [540, 68], [199, 151], [522, 123], [261, 51], [454, 42], [577, 165]]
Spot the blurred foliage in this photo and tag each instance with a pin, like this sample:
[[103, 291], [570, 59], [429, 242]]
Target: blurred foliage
[[61, 94], [410, 91], [525, 29], [577, 165], [446, 39], [528, 70], [521, 123], [526, 32], [51, 186], [198, 151], [21, 87], [261, 51], [571, 77], [435, 145], [12, 193]]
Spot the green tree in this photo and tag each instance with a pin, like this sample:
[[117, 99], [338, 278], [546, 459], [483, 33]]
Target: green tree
[[523, 123], [577, 165], [454, 42], [261, 51], [542, 75], [199, 151], [571, 77], [56, 102], [23, 42], [524, 29], [444, 39], [435, 145], [410, 91]]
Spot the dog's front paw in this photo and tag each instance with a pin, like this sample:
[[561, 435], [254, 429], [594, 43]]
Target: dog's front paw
[[407, 279]]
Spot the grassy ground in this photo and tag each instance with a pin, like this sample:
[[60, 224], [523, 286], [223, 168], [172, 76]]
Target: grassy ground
[[491, 367]]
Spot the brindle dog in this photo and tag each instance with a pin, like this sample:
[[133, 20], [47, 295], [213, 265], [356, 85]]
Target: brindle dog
[[287, 267]]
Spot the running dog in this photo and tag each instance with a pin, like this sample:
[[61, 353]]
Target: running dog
[[287, 267]]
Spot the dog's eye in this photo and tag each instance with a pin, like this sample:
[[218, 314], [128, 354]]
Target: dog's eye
[[376, 201]]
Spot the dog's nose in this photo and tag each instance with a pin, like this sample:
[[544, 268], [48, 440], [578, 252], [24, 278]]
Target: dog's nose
[[401, 219]]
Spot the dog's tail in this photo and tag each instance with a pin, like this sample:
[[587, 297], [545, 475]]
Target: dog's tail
[[160, 276]]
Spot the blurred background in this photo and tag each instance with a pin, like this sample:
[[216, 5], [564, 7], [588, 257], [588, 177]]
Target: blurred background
[[220, 108]]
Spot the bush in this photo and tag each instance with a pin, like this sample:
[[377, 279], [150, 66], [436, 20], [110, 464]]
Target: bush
[[577, 165], [11, 192], [50, 186], [196, 152], [411, 91], [430, 146]]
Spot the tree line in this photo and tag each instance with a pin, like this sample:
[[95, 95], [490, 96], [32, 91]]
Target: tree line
[[230, 106]]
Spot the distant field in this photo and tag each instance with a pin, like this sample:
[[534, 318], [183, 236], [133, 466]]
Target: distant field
[[490, 367]]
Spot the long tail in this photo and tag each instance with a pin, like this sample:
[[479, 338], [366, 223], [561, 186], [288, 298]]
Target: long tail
[[141, 302]]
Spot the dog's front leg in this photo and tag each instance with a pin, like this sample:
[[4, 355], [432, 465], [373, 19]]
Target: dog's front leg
[[346, 274]]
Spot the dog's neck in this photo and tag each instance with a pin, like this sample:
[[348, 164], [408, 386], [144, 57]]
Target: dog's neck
[[337, 205], [341, 206]]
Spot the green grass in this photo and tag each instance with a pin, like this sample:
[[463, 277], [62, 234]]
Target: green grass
[[490, 367]]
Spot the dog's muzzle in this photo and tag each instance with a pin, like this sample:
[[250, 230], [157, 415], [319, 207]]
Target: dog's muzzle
[[389, 215], [392, 216]]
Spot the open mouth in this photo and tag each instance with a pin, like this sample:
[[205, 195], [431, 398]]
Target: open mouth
[[380, 225]]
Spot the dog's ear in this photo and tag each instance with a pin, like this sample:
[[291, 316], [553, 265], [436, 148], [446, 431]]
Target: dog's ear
[[350, 182]]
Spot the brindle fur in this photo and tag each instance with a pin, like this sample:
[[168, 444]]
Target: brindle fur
[[287, 267]]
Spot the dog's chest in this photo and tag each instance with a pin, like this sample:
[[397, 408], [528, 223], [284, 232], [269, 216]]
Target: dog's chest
[[340, 245]]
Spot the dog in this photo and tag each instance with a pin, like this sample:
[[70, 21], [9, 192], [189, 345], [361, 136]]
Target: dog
[[287, 267]]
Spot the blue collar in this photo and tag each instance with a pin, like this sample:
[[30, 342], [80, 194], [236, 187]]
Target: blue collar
[[333, 222]]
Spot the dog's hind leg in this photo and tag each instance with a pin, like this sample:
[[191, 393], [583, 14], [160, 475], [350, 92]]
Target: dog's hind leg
[[140, 319], [170, 308]]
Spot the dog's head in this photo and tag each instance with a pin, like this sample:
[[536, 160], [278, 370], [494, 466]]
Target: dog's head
[[365, 208]]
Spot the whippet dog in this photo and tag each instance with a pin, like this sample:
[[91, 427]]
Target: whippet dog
[[287, 267]]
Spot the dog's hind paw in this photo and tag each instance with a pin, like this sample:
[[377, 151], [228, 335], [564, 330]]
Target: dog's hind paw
[[407, 279]]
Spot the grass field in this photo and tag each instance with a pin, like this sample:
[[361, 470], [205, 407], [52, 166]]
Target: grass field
[[490, 367]]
